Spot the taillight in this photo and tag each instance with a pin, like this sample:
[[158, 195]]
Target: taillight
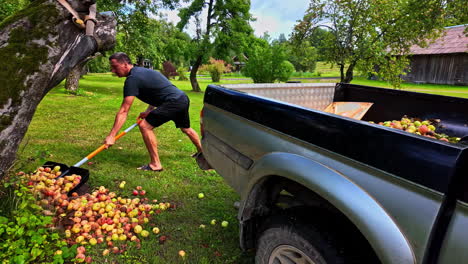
[[201, 124]]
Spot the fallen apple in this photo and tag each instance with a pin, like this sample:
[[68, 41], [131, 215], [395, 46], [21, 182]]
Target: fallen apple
[[182, 253], [224, 223], [122, 185], [137, 229], [80, 257], [144, 233], [201, 196]]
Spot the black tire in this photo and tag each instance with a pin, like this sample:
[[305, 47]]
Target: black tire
[[286, 240]]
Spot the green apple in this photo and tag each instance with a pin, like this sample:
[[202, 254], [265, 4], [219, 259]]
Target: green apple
[[122, 185], [213, 222], [224, 223], [144, 233], [201, 196], [202, 226]]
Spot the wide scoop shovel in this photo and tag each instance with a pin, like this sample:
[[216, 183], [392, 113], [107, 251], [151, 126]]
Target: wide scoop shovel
[[84, 173]]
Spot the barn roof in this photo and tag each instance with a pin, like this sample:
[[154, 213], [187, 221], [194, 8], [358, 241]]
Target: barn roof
[[454, 40]]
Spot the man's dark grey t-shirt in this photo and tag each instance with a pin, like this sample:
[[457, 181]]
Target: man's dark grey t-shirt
[[150, 86]]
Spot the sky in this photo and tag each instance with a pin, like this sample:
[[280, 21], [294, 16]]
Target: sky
[[273, 16]]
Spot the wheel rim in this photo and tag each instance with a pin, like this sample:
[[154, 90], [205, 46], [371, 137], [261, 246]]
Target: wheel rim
[[286, 254]]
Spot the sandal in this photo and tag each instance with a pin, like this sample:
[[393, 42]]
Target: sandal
[[195, 154], [147, 167]]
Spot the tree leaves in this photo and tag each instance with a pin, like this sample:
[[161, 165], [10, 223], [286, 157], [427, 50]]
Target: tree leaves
[[366, 33]]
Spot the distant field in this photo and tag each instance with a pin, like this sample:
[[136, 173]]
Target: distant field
[[322, 69], [440, 89]]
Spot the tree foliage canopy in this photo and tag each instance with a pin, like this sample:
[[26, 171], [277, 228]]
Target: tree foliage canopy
[[9, 7], [227, 30], [367, 32]]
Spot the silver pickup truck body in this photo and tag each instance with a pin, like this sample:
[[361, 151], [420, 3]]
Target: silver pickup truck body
[[405, 195]]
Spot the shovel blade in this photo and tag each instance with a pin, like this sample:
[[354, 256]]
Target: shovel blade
[[69, 171]]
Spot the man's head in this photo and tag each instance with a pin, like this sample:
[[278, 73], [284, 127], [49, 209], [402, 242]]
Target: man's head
[[120, 64]]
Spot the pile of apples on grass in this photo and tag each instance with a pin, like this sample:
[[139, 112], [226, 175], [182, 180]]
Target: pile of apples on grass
[[96, 218], [425, 128]]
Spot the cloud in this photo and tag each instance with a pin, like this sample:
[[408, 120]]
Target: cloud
[[273, 16], [172, 16], [276, 16], [271, 24]]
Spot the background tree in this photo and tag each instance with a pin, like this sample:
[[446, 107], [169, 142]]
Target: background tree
[[72, 81], [39, 46], [227, 29], [9, 7], [457, 12], [303, 56], [282, 39], [177, 44], [367, 32], [318, 39]]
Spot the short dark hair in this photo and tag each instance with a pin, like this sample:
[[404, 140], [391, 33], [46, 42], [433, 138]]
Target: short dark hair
[[120, 57]]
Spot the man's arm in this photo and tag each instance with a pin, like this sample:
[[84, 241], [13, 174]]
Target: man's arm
[[120, 119]]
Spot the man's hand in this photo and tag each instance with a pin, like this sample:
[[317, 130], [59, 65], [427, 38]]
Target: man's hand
[[109, 141], [143, 115]]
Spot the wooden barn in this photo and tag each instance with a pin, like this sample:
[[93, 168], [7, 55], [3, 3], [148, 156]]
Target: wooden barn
[[443, 62]]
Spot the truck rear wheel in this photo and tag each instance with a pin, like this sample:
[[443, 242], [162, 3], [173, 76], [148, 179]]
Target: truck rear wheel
[[284, 241]]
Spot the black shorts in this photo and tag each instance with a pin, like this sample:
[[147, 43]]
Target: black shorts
[[176, 110]]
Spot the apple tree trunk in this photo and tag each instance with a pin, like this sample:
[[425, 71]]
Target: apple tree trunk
[[73, 79], [39, 46]]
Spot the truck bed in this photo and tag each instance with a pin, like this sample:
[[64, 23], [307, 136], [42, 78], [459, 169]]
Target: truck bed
[[391, 150]]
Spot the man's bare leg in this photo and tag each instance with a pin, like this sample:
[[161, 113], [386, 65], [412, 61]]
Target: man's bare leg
[[151, 144], [193, 137]]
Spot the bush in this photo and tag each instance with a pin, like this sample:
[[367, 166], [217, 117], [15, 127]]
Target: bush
[[169, 70], [98, 65], [284, 71], [216, 68], [268, 64], [26, 234], [181, 73]]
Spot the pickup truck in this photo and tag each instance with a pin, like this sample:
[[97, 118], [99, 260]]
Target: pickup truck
[[317, 187]]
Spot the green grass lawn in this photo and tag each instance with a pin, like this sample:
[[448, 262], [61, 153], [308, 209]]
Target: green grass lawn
[[440, 89], [66, 128]]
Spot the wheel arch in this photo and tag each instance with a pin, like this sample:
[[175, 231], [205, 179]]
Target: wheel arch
[[339, 192]]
